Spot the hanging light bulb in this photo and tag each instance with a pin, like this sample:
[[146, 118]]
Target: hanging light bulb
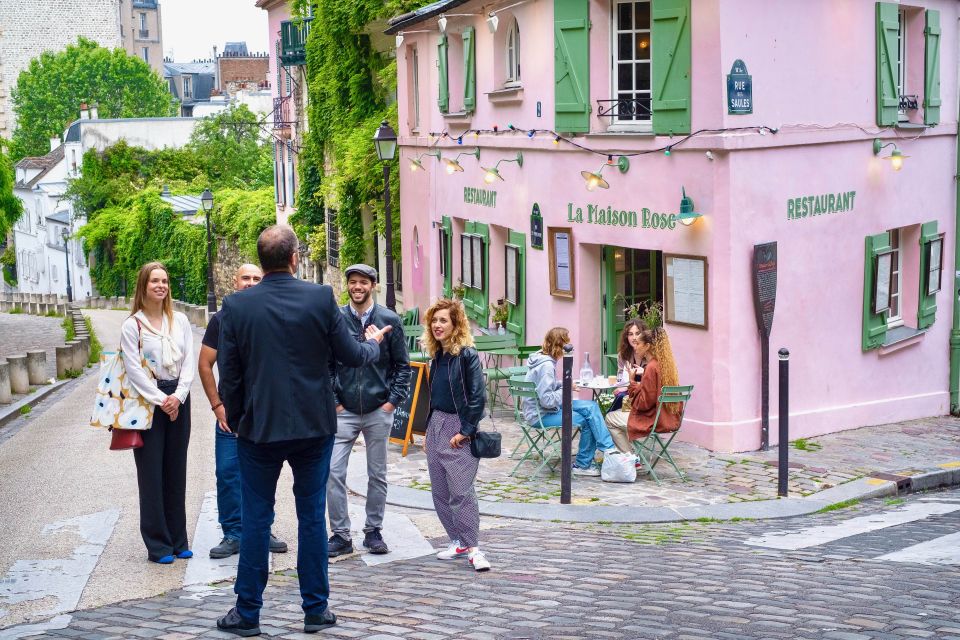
[[896, 156], [454, 166], [594, 179], [687, 215], [492, 174], [556, 141]]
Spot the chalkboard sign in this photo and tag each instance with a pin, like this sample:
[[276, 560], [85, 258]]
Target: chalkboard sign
[[411, 416]]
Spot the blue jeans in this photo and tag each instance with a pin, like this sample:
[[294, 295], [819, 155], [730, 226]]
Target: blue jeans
[[228, 483], [260, 466], [593, 431]]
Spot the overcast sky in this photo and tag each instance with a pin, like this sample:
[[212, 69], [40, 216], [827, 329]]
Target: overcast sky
[[191, 28]]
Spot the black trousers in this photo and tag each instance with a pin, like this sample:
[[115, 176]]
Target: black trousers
[[162, 479]]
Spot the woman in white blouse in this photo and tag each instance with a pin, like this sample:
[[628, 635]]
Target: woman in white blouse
[[167, 351]]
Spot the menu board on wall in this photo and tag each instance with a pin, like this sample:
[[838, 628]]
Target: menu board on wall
[[561, 262], [685, 290]]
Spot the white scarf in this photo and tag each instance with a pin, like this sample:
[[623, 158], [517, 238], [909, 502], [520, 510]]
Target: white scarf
[[170, 353]]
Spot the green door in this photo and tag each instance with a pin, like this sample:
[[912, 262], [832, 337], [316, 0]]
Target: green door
[[515, 284], [631, 276]]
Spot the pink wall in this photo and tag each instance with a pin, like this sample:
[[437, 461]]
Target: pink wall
[[813, 68]]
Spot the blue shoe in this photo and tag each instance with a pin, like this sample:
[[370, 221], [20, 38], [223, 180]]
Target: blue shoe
[[185, 555], [165, 560]]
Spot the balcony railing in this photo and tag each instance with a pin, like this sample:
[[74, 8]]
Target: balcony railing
[[143, 33], [282, 113], [625, 109], [293, 42]]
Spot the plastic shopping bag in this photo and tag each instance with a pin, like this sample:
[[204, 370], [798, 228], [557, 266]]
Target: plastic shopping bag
[[618, 467]]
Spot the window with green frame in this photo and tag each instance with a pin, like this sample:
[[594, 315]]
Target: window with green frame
[[474, 270]]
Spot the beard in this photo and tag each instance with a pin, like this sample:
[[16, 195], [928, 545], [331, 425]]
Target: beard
[[365, 296]]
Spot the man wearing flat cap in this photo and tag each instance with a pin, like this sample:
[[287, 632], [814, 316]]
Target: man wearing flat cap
[[366, 399]]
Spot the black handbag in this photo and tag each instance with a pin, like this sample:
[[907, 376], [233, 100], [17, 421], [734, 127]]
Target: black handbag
[[485, 444]]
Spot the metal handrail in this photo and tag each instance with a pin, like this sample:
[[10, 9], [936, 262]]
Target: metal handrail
[[622, 107]]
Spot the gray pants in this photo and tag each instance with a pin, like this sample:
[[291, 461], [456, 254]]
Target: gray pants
[[375, 427]]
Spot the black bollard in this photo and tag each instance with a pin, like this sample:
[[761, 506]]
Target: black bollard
[[784, 423], [566, 430]]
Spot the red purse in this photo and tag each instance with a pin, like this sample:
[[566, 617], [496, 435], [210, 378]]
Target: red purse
[[123, 439]]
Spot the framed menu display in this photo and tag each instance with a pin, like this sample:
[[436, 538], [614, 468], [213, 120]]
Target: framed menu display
[[685, 290], [560, 241]]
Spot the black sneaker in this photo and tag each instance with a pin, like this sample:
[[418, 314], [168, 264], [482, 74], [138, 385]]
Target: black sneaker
[[277, 545], [339, 546], [319, 621], [226, 548], [374, 541], [233, 623]]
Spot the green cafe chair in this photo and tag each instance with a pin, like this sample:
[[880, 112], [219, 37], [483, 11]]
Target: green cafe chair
[[654, 447]]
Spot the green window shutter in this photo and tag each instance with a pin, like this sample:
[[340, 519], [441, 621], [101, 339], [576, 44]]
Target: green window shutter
[[517, 313], [874, 324], [469, 70], [444, 99], [888, 68], [927, 304], [671, 56], [476, 301], [931, 68], [448, 257], [571, 24]]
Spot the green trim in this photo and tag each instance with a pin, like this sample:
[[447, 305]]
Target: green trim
[[888, 67], [443, 100], [469, 70], [517, 313], [476, 301], [613, 316], [571, 30], [671, 45], [927, 304], [447, 226], [874, 331], [931, 68]]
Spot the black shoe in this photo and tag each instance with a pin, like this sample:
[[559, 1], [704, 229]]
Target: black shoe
[[374, 541], [319, 621], [226, 548], [277, 545], [339, 546], [233, 623]]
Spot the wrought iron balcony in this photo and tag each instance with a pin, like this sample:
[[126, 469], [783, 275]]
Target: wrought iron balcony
[[283, 114], [293, 42], [143, 33], [909, 102], [625, 109]]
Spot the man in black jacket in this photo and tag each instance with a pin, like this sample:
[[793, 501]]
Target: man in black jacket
[[366, 399], [276, 340]]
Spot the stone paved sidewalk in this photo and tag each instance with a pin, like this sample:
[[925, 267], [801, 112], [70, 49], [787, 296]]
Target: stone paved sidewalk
[[713, 478]]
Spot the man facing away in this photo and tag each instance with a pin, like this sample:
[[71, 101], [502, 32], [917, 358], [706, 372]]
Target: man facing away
[[366, 399], [276, 341], [225, 444]]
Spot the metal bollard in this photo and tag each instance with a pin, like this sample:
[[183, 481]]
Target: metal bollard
[[783, 466], [19, 378], [566, 430], [37, 367], [6, 397]]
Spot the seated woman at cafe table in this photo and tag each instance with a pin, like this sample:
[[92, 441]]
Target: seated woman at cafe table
[[635, 419], [628, 360], [586, 413]]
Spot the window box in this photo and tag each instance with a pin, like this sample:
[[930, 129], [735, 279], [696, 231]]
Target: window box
[[507, 95]]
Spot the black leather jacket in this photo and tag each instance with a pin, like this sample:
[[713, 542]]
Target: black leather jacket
[[467, 388], [364, 389]]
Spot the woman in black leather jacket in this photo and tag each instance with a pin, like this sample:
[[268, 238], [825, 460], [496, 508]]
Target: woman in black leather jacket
[[457, 398]]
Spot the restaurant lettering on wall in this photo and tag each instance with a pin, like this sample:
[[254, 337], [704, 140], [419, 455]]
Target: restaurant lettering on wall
[[811, 206], [480, 197], [646, 219]]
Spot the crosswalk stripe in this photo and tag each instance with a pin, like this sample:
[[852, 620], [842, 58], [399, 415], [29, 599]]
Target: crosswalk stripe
[[815, 536], [944, 550]]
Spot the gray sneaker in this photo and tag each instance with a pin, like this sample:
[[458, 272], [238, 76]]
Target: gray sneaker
[[226, 548]]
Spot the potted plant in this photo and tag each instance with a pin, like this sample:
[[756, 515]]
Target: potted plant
[[459, 290], [499, 315]]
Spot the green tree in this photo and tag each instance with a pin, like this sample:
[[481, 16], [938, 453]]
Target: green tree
[[49, 92], [10, 205], [229, 148]]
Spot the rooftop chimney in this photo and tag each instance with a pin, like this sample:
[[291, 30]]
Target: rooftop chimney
[[94, 112], [84, 112], [54, 143]]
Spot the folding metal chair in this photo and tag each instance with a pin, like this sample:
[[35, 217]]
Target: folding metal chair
[[540, 440], [653, 448]]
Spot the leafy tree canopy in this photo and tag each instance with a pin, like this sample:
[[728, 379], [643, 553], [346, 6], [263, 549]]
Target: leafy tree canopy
[[10, 205], [229, 147], [49, 92]]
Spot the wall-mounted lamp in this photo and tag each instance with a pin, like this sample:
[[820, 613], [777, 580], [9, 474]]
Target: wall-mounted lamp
[[492, 22], [442, 23], [443, 19], [595, 179], [416, 165], [493, 174], [895, 157], [687, 215], [453, 166], [399, 39]]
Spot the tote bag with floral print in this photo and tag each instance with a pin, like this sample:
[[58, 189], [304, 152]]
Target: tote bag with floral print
[[118, 405]]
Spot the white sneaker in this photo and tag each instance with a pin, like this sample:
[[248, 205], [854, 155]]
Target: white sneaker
[[479, 561], [589, 471], [453, 551]]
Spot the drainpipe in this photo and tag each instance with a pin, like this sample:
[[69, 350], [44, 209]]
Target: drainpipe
[[955, 331]]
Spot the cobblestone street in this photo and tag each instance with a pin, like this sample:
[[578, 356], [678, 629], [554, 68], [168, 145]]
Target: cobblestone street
[[693, 581], [20, 333]]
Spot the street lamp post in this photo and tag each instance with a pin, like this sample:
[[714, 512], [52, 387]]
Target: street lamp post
[[385, 140], [66, 247], [206, 200]]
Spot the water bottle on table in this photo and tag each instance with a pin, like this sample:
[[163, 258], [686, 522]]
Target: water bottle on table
[[586, 371]]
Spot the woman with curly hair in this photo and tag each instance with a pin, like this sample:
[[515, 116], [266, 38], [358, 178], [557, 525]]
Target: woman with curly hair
[[457, 399], [586, 413], [643, 392]]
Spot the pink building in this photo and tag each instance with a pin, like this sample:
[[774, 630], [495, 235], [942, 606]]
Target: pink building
[[809, 156]]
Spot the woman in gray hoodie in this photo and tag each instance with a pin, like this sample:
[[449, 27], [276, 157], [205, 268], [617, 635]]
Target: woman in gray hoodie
[[586, 413]]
